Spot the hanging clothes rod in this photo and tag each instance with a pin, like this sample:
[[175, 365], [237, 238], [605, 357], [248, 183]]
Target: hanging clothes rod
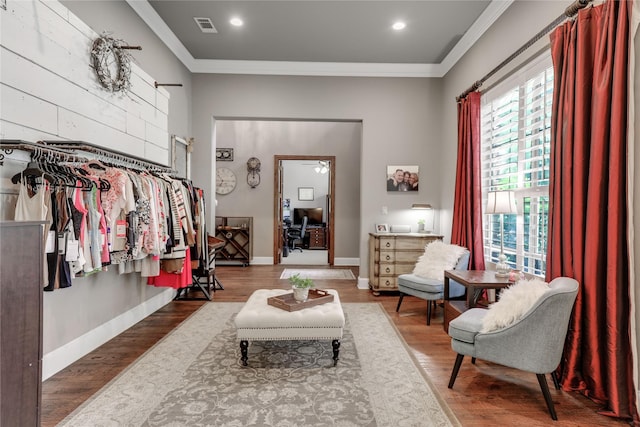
[[66, 151], [52, 154], [569, 12], [75, 146]]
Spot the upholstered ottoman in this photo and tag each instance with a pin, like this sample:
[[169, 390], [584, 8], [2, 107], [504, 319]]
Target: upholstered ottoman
[[259, 321]]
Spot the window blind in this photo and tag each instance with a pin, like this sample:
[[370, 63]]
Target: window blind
[[516, 140]]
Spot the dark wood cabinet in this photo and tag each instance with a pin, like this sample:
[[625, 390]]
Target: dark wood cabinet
[[21, 279], [317, 237], [236, 233]]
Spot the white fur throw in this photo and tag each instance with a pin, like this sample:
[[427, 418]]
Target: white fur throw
[[437, 258], [513, 303]]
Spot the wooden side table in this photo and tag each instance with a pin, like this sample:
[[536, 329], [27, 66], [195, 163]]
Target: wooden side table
[[474, 281]]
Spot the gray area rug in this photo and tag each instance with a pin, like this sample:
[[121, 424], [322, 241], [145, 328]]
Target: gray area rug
[[318, 273], [194, 377]]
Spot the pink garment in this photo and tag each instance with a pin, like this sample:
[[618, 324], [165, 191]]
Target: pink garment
[[175, 281], [79, 205]]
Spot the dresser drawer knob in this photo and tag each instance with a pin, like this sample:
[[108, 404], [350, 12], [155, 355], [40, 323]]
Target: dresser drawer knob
[[388, 270], [388, 244], [388, 257], [388, 283]]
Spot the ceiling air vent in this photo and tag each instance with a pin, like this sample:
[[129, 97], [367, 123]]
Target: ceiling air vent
[[205, 24]]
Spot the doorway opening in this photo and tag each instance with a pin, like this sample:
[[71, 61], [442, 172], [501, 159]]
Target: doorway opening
[[304, 203]]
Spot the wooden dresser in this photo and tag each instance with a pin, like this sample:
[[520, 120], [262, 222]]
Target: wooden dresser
[[21, 281], [393, 254]]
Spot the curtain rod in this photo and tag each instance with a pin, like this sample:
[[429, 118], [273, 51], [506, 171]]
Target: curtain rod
[[569, 12]]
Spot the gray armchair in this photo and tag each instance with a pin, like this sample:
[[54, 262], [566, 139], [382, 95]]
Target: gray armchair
[[534, 343], [430, 289]]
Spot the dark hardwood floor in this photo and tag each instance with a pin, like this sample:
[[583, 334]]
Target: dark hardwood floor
[[484, 394]]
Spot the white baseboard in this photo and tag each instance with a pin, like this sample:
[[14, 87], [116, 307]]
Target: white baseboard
[[363, 283], [351, 262], [343, 262], [64, 356], [262, 260]]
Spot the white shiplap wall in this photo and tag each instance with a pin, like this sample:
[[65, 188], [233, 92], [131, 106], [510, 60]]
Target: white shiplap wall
[[48, 89]]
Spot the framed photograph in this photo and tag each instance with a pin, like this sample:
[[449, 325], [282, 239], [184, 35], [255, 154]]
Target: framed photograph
[[403, 178], [305, 193], [382, 228]]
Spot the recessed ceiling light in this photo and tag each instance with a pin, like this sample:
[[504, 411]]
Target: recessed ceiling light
[[399, 25], [236, 22]]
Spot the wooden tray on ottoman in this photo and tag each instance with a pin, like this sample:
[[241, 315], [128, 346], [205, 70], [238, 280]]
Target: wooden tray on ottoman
[[288, 303]]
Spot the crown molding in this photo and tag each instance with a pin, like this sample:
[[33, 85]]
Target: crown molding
[[292, 68], [490, 15]]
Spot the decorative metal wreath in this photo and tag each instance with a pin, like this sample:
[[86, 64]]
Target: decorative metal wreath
[[106, 53]]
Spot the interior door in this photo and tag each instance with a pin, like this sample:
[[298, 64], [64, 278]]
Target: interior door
[[278, 227], [278, 200]]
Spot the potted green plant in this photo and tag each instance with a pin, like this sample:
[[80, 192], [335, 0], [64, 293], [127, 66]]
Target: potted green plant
[[300, 287], [421, 225]]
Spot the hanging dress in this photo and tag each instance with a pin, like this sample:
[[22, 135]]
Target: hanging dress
[[34, 208]]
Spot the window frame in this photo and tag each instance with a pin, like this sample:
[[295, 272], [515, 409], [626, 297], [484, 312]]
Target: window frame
[[528, 252]]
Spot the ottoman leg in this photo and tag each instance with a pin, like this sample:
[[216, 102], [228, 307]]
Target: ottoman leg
[[244, 345], [336, 351]]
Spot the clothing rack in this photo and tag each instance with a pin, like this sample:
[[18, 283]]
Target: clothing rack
[[74, 152], [112, 154], [50, 154], [569, 12], [67, 151]]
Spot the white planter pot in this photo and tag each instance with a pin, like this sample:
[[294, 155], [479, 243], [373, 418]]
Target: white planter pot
[[300, 294]]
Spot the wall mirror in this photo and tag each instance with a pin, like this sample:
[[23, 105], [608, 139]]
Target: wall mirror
[[305, 193]]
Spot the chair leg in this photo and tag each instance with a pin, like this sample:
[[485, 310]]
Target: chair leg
[[473, 360], [456, 368], [542, 379], [429, 302], [556, 383], [399, 302]]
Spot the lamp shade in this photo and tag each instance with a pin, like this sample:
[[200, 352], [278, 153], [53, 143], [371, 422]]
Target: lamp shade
[[421, 206], [501, 202]]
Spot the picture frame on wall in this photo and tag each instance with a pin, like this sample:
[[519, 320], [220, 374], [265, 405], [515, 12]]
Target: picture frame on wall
[[305, 193], [403, 178], [382, 228], [224, 154]]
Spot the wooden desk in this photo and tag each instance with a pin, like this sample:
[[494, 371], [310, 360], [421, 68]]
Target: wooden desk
[[475, 281]]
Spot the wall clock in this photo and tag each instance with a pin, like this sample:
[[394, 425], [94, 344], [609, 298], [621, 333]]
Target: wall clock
[[253, 177], [225, 181]]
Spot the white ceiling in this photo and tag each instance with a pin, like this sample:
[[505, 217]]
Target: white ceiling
[[321, 37]]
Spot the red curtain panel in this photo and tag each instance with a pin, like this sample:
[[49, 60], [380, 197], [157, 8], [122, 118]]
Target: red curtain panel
[[467, 206], [588, 218]]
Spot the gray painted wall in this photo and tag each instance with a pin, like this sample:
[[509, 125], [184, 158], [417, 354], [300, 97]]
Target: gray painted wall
[[400, 125], [264, 139]]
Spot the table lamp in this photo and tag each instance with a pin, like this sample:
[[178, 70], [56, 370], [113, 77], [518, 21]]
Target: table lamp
[[501, 202], [422, 221]]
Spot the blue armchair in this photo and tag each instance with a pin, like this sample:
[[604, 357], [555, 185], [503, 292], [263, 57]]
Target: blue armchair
[[430, 289], [534, 343]]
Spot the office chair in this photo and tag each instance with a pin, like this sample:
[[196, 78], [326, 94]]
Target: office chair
[[295, 234]]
